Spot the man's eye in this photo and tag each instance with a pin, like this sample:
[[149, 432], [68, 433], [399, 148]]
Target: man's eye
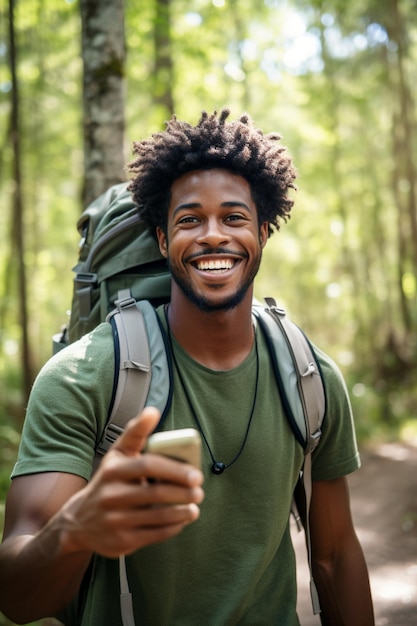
[[235, 217], [188, 219]]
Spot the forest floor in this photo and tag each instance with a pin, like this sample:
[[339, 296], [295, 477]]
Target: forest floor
[[384, 505]]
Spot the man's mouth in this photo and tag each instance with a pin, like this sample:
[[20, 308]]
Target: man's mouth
[[220, 265]]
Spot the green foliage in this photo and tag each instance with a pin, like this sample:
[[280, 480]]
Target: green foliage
[[323, 74]]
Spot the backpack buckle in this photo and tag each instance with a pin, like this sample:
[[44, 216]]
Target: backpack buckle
[[86, 278], [124, 299], [274, 308], [311, 369], [110, 435], [312, 441], [125, 303]]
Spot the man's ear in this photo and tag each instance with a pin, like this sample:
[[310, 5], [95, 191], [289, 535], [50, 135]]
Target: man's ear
[[162, 241], [263, 234]]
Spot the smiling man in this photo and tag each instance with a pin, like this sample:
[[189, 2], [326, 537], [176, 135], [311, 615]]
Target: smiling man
[[213, 216], [212, 194]]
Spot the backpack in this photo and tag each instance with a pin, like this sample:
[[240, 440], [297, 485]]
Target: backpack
[[121, 277], [116, 251]]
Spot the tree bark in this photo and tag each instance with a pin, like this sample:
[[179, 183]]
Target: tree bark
[[163, 74], [405, 120], [104, 57], [404, 175], [18, 238]]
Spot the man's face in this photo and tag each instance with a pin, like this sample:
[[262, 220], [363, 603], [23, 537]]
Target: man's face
[[213, 242]]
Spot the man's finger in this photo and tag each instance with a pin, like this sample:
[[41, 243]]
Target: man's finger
[[137, 430]]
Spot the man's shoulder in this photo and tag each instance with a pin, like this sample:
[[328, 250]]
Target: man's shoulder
[[94, 351], [99, 342]]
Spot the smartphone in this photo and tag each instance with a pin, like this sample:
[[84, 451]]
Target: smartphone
[[183, 444]]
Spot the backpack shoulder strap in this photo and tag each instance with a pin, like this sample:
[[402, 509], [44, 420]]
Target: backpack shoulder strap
[[142, 372], [298, 373], [303, 396], [143, 376]]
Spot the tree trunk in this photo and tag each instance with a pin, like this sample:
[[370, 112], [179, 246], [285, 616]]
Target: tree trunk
[[18, 238], [103, 51], [404, 179], [163, 74], [404, 122]]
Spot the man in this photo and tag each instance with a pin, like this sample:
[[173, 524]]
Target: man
[[213, 194]]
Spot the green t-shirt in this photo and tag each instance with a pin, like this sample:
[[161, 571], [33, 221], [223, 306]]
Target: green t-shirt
[[236, 564]]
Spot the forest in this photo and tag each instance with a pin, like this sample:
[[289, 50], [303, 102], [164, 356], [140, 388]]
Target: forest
[[80, 81]]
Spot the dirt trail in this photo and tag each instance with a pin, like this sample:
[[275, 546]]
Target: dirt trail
[[384, 505]]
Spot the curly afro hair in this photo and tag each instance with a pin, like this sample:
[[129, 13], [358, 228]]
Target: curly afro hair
[[214, 142]]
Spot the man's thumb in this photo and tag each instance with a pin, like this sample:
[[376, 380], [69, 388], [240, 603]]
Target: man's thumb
[[137, 430]]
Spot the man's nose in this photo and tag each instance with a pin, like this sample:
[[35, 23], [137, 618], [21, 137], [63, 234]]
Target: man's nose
[[213, 233]]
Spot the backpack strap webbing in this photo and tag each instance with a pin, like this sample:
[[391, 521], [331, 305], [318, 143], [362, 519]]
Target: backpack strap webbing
[[142, 374], [313, 401], [309, 381], [126, 601], [134, 368]]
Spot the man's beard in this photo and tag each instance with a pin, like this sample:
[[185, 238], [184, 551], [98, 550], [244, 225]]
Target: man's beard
[[203, 303]]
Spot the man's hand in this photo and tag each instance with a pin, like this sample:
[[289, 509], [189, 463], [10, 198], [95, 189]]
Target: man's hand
[[134, 499], [55, 521]]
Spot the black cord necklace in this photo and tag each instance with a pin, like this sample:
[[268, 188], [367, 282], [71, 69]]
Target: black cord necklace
[[217, 467]]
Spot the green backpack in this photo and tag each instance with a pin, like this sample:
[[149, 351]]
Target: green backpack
[[117, 251], [121, 277]]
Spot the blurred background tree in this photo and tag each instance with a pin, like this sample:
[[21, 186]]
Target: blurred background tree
[[80, 81]]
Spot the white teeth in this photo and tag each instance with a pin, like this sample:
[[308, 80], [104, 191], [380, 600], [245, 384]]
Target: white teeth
[[224, 264]]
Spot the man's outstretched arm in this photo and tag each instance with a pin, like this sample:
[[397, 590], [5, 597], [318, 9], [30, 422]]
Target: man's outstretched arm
[[339, 566], [55, 522]]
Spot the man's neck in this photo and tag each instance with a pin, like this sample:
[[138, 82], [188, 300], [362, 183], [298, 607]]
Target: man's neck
[[219, 340]]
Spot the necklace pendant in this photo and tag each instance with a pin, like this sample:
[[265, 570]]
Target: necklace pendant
[[218, 467]]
